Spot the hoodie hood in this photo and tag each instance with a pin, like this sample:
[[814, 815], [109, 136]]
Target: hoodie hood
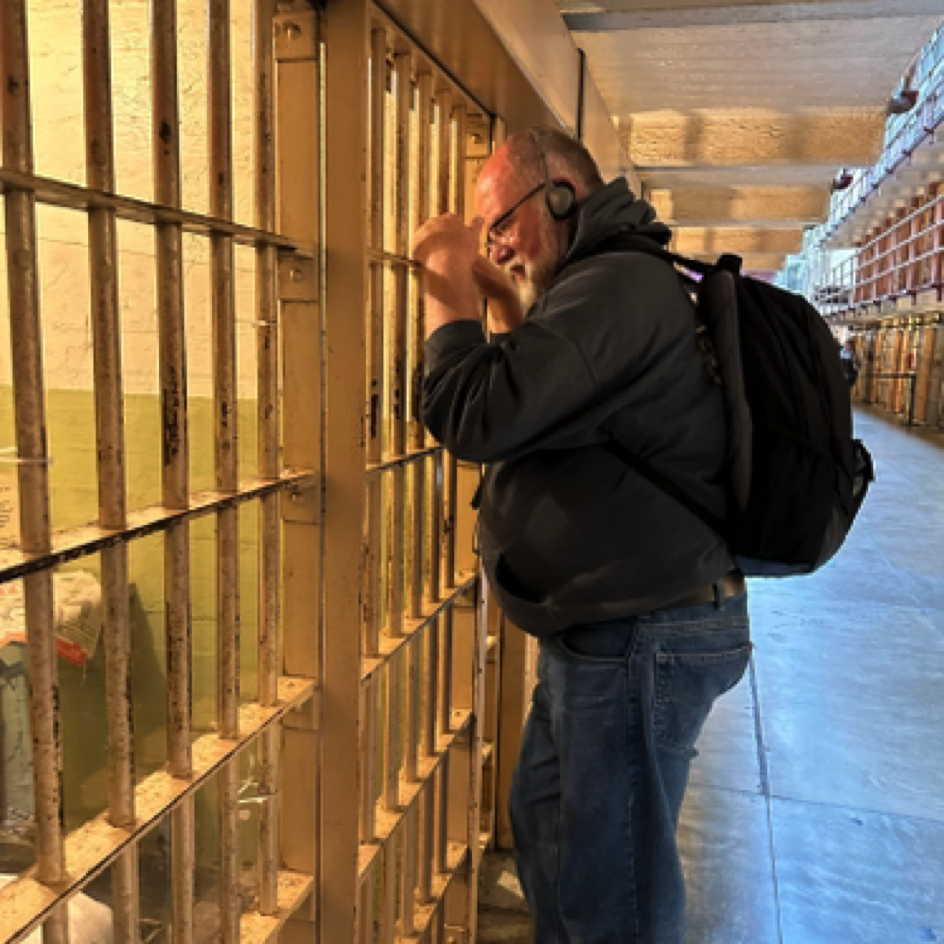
[[610, 210]]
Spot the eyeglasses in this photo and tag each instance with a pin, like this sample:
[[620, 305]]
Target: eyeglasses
[[500, 227]]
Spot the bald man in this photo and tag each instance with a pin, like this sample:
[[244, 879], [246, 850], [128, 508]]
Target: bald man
[[641, 615]]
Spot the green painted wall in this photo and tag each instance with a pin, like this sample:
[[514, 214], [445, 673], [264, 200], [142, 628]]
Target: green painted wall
[[70, 422]]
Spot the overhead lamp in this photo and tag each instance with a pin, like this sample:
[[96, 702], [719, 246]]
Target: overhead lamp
[[842, 181], [903, 102]]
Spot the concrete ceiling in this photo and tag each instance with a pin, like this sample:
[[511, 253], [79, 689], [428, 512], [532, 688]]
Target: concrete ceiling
[[736, 114]]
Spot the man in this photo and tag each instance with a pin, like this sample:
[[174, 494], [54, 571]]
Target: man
[[641, 618], [850, 362]]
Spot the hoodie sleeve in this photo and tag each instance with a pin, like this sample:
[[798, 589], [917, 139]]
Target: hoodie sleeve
[[487, 402]]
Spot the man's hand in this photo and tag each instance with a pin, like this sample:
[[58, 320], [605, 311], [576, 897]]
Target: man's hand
[[504, 304], [447, 249]]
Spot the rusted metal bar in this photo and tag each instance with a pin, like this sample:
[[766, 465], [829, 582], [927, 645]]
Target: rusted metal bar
[[445, 687], [126, 909], [222, 274], [367, 742], [182, 863], [230, 904], [427, 809], [74, 197], [56, 928], [109, 414], [435, 527], [375, 329], [173, 373], [397, 342], [388, 908], [408, 875], [224, 367], [269, 860], [442, 817], [392, 736], [417, 433], [432, 687], [267, 356], [372, 552], [177, 630], [29, 413], [413, 724]]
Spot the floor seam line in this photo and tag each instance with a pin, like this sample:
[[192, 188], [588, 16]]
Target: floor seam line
[[765, 792]]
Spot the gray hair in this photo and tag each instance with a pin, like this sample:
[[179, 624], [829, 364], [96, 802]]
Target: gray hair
[[564, 154]]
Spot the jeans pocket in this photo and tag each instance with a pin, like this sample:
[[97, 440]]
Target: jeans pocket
[[686, 686]]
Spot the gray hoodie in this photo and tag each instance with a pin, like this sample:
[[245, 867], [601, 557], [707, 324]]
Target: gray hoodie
[[569, 534]]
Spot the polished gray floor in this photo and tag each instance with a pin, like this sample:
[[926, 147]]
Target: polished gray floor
[[816, 810]]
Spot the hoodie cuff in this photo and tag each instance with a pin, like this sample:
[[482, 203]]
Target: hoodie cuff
[[452, 338]]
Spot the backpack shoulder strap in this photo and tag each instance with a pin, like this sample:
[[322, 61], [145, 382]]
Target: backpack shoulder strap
[[663, 482]]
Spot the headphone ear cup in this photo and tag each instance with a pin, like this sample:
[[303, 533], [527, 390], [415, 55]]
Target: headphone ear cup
[[561, 199]]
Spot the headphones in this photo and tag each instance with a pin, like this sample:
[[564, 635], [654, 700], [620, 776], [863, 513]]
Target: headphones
[[560, 195]]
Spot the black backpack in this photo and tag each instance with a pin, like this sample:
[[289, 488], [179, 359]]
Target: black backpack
[[797, 478]]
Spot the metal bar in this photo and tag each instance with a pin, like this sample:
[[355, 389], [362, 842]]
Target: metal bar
[[392, 736], [442, 817], [451, 197], [269, 776], [230, 907], [372, 566], [25, 903], [445, 699], [388, 907], [119, 711], [427, 810], [224, 366], [413, 725], [56, 928], [432, 687], [267, 356], [367, 741], [33, 482], [222, 276], [74, 197], [417, 433], [126, 909], [109, 414], [408, 875], [375, 328], [182, 862], [435, 527], [76, 543], [177, 630], [174, 439]]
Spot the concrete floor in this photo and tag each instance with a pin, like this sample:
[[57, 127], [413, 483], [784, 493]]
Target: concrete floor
[[816, 808]]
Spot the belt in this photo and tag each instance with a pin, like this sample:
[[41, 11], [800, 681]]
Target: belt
[[730, 585]]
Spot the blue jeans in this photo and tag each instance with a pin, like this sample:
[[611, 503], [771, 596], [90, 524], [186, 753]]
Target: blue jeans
[[603, 768]]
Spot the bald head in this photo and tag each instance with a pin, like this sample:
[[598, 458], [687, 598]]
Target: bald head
[[567, 159]]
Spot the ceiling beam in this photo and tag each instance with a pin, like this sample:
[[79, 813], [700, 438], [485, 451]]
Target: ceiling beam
[[694, 240], [749, 206], [669, 16], [750, 138]]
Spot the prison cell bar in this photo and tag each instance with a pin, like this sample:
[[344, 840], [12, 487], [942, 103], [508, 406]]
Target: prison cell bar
[[106, 341], [222, 275], [175, 454], [447, 196], [267, 354], [32, 470]]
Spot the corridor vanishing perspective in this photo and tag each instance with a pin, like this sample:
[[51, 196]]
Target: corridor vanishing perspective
[[253, 685]]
